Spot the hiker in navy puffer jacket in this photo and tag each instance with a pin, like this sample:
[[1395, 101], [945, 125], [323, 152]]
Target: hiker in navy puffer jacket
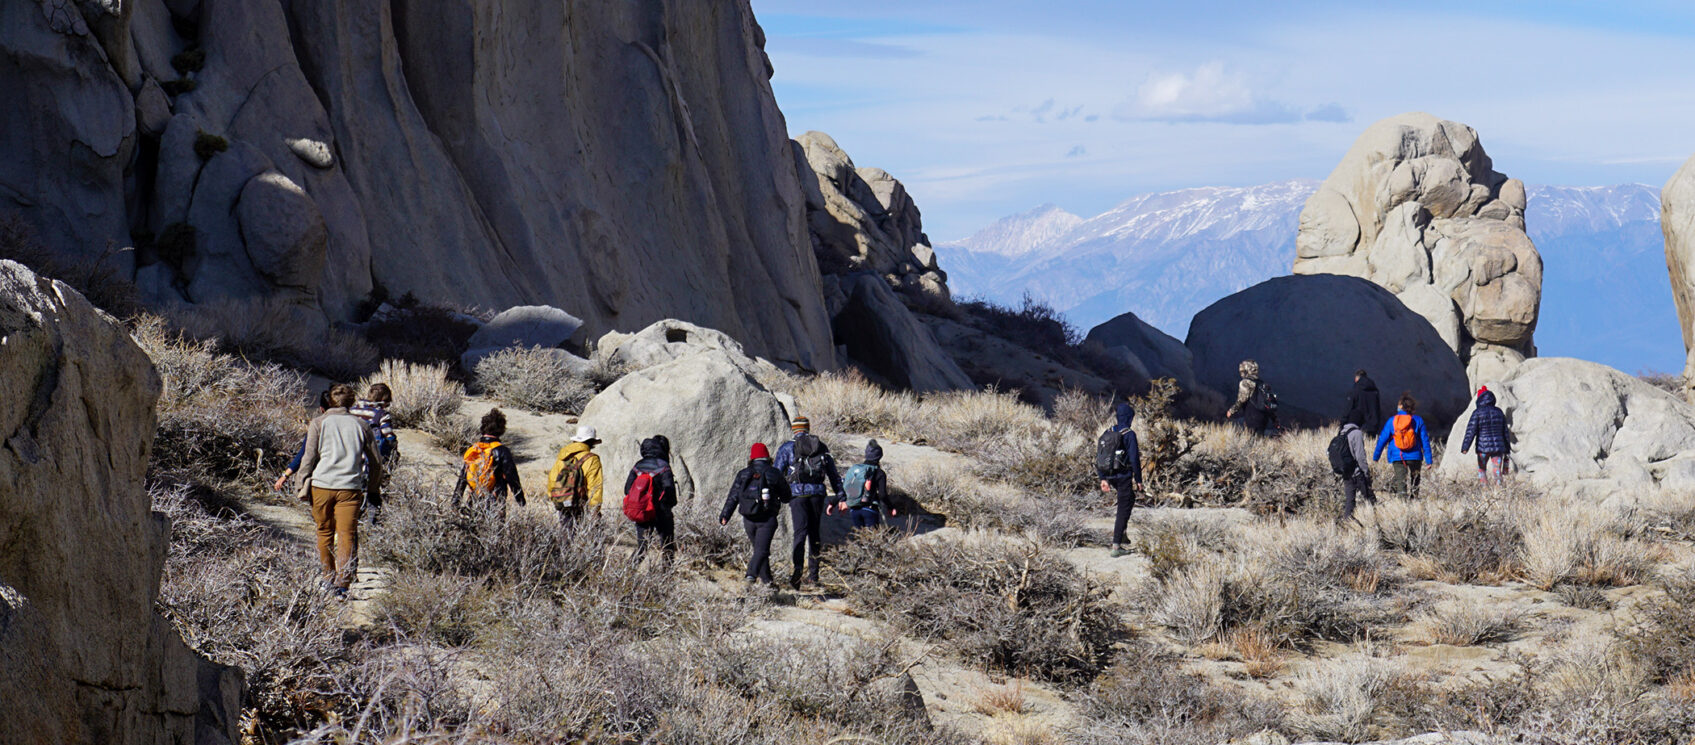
[[1488, 429]]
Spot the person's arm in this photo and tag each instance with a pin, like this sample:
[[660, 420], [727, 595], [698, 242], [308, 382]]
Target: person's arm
[[385, 430], [373, 468], [508, 466], [785, 455], [736, 486], [1383, 440], [293, 466], [1133, 449], [668, 487], [1424, 437], [1244, 394], [879, 487], [1470, 431], [309, 453], [1356, 447], [835, 476], [595, 478]]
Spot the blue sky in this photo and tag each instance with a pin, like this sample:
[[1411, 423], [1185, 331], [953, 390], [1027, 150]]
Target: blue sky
[[991, 107]]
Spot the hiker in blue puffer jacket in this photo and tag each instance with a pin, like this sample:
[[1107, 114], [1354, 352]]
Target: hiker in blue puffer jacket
[[1488, 429]]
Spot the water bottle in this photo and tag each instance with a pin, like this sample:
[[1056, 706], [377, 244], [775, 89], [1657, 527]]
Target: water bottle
[[765, 497]]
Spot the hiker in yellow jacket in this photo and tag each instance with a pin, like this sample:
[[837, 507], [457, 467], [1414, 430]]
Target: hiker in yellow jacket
[[575, 483]]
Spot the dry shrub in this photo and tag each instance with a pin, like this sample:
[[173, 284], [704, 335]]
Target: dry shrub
[[1465, 624], [1146, 698], [1466, 539], [847, 402], [453, 434], [536, 379], [1259, 653], [1582, 543], [1016, 605], [272, 329], [1344, 697], [1283, 475], [1164, 439], [424, 395], [1296, 583], [1663, 637], [422, 334], [96, 278], [244, 596], [438, 608], [1082, 411], [220, 417]]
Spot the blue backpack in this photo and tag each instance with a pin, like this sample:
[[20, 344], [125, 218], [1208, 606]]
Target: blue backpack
[[854, 485]]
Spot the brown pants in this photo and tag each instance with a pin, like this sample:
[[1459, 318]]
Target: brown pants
[[336, 511]]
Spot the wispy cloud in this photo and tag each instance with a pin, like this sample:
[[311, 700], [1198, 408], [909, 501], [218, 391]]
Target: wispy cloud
[[1215, 93], [1076, 151]]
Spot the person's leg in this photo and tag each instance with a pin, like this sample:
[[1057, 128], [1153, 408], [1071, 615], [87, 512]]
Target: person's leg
[[323, 515], [1415, 474], [797, 554], [347, 537], [1363, 481], [1483, 467], [1398, 482], [667, 529], [644, 533], [866, 517], [762, 532], [1350, 486], [1121, 520], [814, 536], [754, 558]]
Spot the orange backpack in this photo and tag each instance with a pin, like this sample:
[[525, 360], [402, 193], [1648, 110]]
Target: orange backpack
[[479, 467], [1406, 434]]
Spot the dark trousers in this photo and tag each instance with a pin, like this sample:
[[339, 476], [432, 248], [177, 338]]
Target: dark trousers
[[808, 515], [1408, 474], [663, 528], [1358, 485], [759, 533], [1126, 503], [865, 517]]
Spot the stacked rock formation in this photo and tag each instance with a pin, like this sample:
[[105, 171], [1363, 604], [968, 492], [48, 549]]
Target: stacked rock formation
[[85, 657], [1677, 221], [1417, 207]]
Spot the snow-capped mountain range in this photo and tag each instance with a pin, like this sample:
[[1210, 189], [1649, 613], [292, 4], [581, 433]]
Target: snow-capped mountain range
[[1606, 294]]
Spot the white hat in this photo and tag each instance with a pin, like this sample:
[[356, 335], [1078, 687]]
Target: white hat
[[584, 434]]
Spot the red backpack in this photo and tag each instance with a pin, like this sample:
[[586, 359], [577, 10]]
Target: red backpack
[[641, 504]]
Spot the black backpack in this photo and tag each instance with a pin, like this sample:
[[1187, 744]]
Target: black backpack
[[1341, 456], [1264, 398], [810, 461], [755, 501], [1111, 458]]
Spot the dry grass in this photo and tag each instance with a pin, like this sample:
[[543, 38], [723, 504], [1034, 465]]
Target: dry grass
[[97, 278], [1465, 624], [1344, 697], [1258, 652], [1146, 698], [1582, 543], [995, 700], [424, 396]]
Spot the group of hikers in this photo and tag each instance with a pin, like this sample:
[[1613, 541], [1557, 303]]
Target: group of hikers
[[351, 444], [1403, 438]]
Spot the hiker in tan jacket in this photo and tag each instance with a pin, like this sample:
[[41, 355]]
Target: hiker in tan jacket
[[339, 470]]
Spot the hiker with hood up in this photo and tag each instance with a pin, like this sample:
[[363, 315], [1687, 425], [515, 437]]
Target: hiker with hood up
[[1118, 464], [1365, 404], [1347, 460], [867, 488], [1408, 443], [577, 483], [656, 463], [757, 494], [807, 464], [1255, 402], [1488, 429]]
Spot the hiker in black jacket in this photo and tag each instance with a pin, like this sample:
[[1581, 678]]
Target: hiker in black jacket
[[1365, 404], [1126, 481], [757, 494], [656, 460]]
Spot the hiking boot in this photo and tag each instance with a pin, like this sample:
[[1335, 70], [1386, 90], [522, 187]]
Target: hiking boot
[[339, 593], [1118, 552]]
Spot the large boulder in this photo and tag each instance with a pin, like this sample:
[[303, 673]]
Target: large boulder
[[1677, 221], [86, 657], [883, 336], [524, 326], [1148, 351], [1310, 333], [1417, 207], [711, 410], [1590, 429]]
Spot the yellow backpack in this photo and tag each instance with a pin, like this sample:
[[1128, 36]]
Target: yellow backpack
[[479, 467]]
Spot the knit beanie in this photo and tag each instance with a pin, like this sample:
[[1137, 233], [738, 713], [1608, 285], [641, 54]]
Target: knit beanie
[[759, 452], [801, 424]]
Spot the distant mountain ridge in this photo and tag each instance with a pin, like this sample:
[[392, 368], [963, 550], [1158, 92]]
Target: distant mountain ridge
[[1166, 256]]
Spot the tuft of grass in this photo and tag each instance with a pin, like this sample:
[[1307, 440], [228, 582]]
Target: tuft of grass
[[207, 144], [1344, 696], [424, 395], [1464, 625], [1259, 653], [1145, 697], [1585, 544], [1000, 699]]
